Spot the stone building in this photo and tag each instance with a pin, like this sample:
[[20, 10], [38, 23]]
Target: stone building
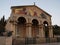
[[29, 21]]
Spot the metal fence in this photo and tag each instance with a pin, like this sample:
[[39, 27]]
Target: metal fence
[[30, 40], [27, 41]]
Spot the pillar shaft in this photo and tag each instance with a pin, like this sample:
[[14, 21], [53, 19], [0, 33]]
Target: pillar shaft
[[28, 30], [50, 31], [15, 29], [41, 31]]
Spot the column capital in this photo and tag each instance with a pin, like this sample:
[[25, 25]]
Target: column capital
[[13, 22], [28, 29], [41, 26], [28, 24], [50, 27]]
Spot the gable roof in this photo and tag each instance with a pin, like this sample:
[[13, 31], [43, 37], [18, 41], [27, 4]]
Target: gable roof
[[30, 6]]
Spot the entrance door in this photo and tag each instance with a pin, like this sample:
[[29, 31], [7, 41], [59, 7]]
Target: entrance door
[[21, 27], [21, 30], [46, 29], [35, 29]]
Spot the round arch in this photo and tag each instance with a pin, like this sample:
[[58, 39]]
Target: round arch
[[35, 22], [46, 29], [21, 27], [21, 20], [45, 23], [35, 28]]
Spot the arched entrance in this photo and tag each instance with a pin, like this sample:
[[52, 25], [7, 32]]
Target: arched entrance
[[21, 27], [35, 28], [46, 29]]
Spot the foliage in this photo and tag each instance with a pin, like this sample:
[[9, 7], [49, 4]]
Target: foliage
[[3, 32], [56, 30], [9, 33], [2, 26]]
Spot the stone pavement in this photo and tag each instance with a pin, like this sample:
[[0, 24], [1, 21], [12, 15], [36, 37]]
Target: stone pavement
[[47, 44]]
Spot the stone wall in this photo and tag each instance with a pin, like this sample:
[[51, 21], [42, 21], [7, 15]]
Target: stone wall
[[5, 40]]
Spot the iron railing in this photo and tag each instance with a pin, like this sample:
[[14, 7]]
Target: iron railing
[[26, 41]]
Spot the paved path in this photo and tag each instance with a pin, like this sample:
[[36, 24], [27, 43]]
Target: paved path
[[47, 44], [51, 44]]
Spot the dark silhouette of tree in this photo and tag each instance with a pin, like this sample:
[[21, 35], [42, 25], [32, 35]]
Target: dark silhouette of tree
[[9, 33], [2, 25], [3, 31], [56, 30]]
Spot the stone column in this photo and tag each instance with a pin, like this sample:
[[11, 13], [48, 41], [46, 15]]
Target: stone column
[[28, 30], [41, 31], [40, 34], [50, 31], [14, 29]]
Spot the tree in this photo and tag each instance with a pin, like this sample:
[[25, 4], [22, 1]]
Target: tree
[[2, 25], [56, 30], [9, 33]]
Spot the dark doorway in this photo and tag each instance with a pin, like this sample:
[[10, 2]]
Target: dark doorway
[[46, 29], [35, 28], [21, 27]]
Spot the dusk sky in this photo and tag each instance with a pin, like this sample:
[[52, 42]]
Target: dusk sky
[[50, 6]]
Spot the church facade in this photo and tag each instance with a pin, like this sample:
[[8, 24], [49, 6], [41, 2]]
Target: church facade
[[29, 21]]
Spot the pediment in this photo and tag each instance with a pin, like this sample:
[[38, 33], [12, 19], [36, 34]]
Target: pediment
[[31, 10]]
